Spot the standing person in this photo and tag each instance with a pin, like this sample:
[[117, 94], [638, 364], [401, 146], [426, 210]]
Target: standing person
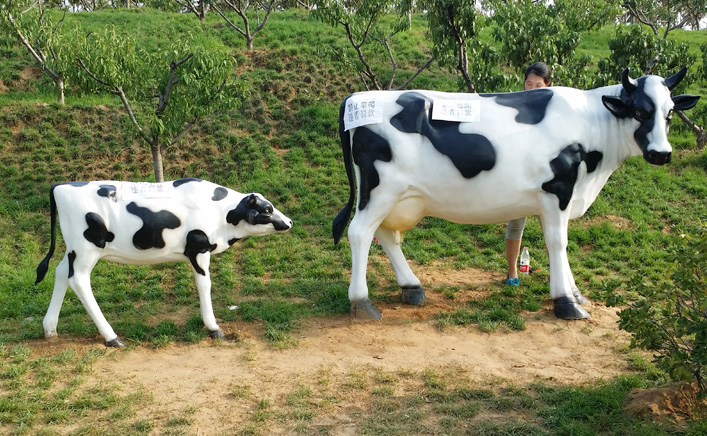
[[537, 75]]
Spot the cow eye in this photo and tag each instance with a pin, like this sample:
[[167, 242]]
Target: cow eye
[[639, 115], [268, 211]]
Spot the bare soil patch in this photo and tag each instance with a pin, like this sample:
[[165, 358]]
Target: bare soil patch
[[221, 383]]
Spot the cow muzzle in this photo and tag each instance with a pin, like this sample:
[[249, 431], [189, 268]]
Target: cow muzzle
[[282, 225], [658, 157]]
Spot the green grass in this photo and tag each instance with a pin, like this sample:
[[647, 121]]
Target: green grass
[[283, 142]]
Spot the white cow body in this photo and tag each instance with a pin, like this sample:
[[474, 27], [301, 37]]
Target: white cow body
[[521, 157], [144, 224], [545, 152]]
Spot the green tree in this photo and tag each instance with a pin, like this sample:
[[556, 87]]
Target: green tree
[[671, 316], [531, 31], [164, 93], [198, 7], [368, 26], [28, 23], [245, 9], [586, 15], [665, 15], [452, 27]]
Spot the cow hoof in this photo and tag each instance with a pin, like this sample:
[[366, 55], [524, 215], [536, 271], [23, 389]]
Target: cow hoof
[[364, 310], [115, 343], [581, 299], [414, 296], [217, 334], [567, 308]]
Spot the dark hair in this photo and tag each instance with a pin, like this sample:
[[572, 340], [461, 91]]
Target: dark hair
[[540, 69]]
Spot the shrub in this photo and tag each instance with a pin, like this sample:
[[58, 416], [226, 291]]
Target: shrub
[[671, 316]]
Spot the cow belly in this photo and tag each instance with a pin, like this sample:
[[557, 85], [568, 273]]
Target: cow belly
[[406, 214]]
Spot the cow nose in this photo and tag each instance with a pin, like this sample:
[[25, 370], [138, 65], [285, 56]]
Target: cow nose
[[658, 157]]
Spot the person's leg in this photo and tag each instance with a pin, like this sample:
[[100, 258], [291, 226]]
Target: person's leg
[[512, 253], [514, 239]]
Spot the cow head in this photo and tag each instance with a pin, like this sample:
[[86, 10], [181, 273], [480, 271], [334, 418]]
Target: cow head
[[647, 102], [257, 216]]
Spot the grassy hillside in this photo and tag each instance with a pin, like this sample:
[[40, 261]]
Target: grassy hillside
[[283, 142]]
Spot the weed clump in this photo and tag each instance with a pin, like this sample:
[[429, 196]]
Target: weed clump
[[670, 318]]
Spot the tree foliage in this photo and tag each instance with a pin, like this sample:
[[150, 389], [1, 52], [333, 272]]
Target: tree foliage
[[245, 10], [370, 26], [666, 15], [165, 93], [644, 53], [26, 22], [530, 31], [452, 26], [671, 316]]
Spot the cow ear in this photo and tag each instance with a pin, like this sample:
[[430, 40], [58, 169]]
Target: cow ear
[[252, 200], [616, 106], [685, 102]]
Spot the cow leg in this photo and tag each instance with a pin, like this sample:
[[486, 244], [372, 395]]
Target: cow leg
[[203, 285], [410, 284], [360, 233], [80, 282], [61, 284], [555, 231], [581, 299]]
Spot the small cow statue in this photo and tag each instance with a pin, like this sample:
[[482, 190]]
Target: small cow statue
[[146, 224], [487, 158]]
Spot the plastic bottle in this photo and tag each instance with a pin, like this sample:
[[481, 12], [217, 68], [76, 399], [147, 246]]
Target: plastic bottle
[[525, 261]]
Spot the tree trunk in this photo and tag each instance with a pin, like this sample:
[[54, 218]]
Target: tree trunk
[[60, 91], [699, 131], [157, 160], [249, 42], [203, 10], [463, 68]]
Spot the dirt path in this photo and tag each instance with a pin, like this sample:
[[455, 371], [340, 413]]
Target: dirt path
[[206, 376], [219, 384]]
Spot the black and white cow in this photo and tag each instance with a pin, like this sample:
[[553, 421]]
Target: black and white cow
[[486, 158], [146, 224]]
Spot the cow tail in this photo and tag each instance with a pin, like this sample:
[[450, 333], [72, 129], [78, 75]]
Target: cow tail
[[43, 266], [342, 219]]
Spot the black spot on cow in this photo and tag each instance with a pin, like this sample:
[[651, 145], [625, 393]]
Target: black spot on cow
[[197, 243], [469, 152], [153, 223], [219, 194], [255, 211], [108, 191], [233, 241], [180, 182], [644, 112], [566, 167], [367, 148], [72, 258], [531, 105], [97, 233]]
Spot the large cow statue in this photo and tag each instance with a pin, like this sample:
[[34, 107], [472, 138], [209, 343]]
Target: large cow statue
[[487, 158], [146, 224]]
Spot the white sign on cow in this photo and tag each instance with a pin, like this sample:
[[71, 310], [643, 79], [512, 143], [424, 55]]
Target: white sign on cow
[[545, 152], [145, 224]]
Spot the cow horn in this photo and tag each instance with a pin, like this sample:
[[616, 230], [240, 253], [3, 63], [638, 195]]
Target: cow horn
[[672, 81], [628, 83]]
